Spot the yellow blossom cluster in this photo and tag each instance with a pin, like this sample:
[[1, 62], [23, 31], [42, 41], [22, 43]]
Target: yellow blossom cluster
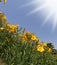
[[33, 37], [12, 28], [42, 47], [29, 36], [25, 37], [4, 24]]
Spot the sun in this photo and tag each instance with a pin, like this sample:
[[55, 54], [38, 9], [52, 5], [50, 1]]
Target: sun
[[52, 4], [49, 5]]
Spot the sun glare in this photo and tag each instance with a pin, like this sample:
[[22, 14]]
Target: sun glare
[[50, 5]]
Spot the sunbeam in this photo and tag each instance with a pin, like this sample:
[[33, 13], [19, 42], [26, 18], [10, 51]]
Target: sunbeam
[[55, 22], [46, 19], [48, 5], [37, 9], [31, 3]]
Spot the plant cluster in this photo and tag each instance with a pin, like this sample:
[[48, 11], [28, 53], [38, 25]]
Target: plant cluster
[[18, 47]]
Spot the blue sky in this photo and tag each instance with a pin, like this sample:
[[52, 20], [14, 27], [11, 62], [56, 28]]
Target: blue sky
[[33, 23]]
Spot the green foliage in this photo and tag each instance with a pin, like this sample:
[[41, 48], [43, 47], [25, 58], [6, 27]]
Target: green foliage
[[15, 52], [50, 45]]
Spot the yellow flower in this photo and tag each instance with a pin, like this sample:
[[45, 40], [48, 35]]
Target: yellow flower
[[39, 44], [6, 25], [5, 1], [12, 31], [40, 49], [28, 35], [45, 44], [12, 28], [49, 50], [24, 38], [4, 18], [33, 37], [1, 28]]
